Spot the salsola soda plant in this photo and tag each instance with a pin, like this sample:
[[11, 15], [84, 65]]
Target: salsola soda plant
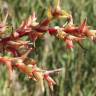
[[19, 49]]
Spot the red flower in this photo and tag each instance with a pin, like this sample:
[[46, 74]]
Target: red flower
[[69, 43], [8, 63], [50, 81]]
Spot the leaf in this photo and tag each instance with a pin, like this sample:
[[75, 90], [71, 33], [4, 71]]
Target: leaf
[[49, 14], [64, 14], [57, 4]]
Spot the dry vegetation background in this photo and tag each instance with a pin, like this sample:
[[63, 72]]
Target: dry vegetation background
[[78, 77]]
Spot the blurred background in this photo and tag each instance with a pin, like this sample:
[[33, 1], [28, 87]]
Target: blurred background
[[78, 77]]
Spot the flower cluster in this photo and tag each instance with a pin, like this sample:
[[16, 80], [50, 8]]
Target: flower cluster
[[34, 30]]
